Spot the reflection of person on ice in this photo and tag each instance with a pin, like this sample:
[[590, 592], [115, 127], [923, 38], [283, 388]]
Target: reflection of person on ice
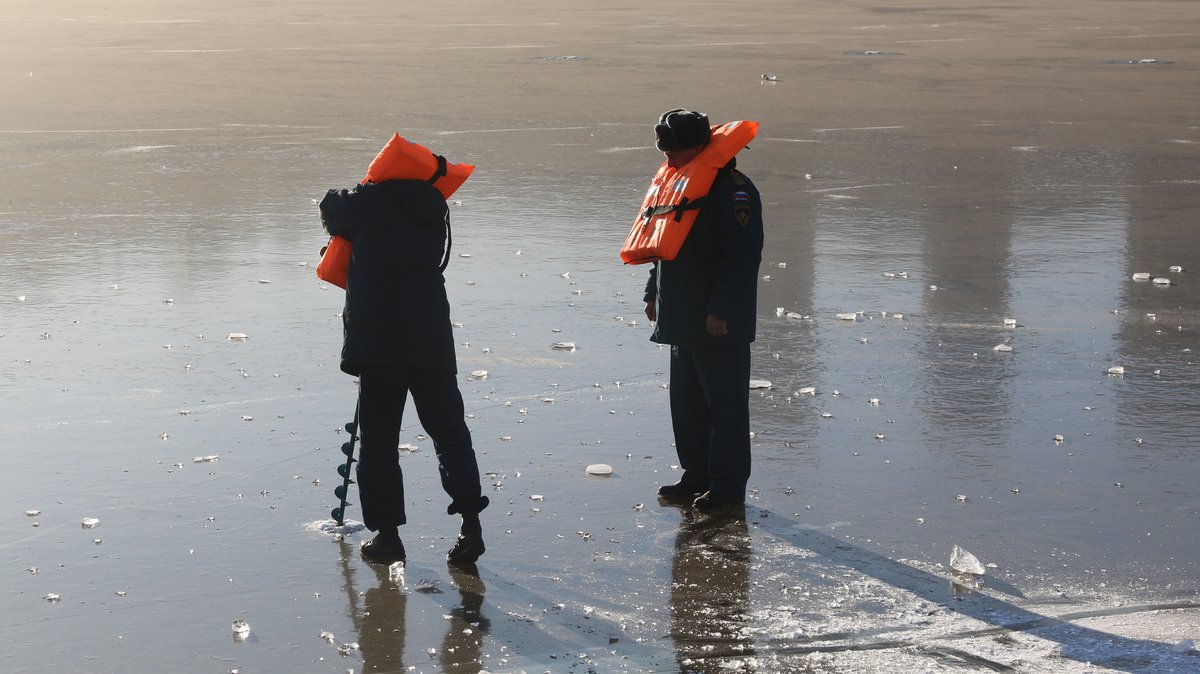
[[703, 303], [398, 340]]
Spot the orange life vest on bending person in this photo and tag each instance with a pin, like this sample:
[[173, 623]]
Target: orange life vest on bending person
[[400, 159], [676, 196]]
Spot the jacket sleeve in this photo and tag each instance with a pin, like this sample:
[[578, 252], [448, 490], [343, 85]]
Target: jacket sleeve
[[338, 212], [740, 241], [651, 292]]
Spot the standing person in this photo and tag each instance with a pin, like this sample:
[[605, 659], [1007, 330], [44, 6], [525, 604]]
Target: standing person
[[398, 339], [703, 304]]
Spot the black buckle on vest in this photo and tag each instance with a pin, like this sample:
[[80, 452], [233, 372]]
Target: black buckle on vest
[[678, 209]]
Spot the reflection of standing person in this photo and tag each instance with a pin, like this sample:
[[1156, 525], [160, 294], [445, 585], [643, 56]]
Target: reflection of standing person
[[398, 340], [710, 594], [703, 303], [462, 647], [382, 631]]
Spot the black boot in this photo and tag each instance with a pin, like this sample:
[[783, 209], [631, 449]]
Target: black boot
[[683, 491], [385, 548], [470, 542]]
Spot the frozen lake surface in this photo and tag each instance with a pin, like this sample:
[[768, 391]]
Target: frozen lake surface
[[947, 285]]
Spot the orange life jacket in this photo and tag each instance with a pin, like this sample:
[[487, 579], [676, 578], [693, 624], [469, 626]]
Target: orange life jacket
[[676, 196], [400, 159]]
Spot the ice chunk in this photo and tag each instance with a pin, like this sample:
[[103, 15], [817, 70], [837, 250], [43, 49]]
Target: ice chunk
[[563, 346], [1116, 370], [241, 629], [1160, 281], [32, 513], [479, 374], [396, 573], [205, 459], [1002, 348], [90, 522], [237, 337], [759, 383], [964, 562], [1010, 322], [1175, 269], [599, 469], [1141, 276], [848, 316], [807, 391]]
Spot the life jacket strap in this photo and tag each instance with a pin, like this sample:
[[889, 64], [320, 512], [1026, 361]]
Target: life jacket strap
[[678, 209], [440, 171]]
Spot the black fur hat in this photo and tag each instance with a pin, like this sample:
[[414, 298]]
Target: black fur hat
[[681, 129]]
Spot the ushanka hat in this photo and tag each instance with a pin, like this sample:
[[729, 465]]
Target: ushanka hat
[[681, 129]]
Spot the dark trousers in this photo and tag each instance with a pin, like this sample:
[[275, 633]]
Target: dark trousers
[[710, 414], [382, 394]]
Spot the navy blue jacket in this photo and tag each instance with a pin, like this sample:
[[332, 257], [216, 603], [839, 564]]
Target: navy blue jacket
[[716, 270], [396, 308]]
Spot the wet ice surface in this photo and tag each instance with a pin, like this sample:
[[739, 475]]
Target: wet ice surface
[[881, 443]]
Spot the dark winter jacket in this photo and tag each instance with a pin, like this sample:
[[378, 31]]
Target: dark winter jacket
[[716, 270], [396, 308]]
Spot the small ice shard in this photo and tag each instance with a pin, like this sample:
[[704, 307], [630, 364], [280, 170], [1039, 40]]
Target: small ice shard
[[327, 636], [964, 562], [1010, 322], [1058, 439], [32, 513], [1175, 269], [205, 459], [1002, 348], [168, 301], [889, 274], [563, 346], [247, 417], [599, 469], [347, 649], [779, 311], [20, 298], [795, 316], [807, 391], [237, 337], [1141, 276], [1116, 370], [769, 77], [536, 497], [874, 402], [90, 522], [52, 597], [848, 316], [396, 572], [1161, 281], [961, 498], [479, 374], [241, 628], [759, 383], [826, 415]]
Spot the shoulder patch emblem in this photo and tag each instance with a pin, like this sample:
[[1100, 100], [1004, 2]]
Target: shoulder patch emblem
[[741, 212]]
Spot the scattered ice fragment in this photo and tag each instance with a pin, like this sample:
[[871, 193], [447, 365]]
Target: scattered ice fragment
[[961, 498], [563, 346], [205, 459], [1175, 269], [327, 636], [90, 522], [964, 562], [848, 316], [479, 374], [1141, 276], [1058, 439], [52, 597], [247, 417], [347, 649], [826, 415], [1002, 348], [536, 497], [874, 402], [20, 298], [237, 337], [795, 316], [241, 628], [599, 469], [32, 513], [759, 383], [1161, 281], [1116, 370], [121, 593], [1010, 322], [769, 77], [807, 391], [396, 572]]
